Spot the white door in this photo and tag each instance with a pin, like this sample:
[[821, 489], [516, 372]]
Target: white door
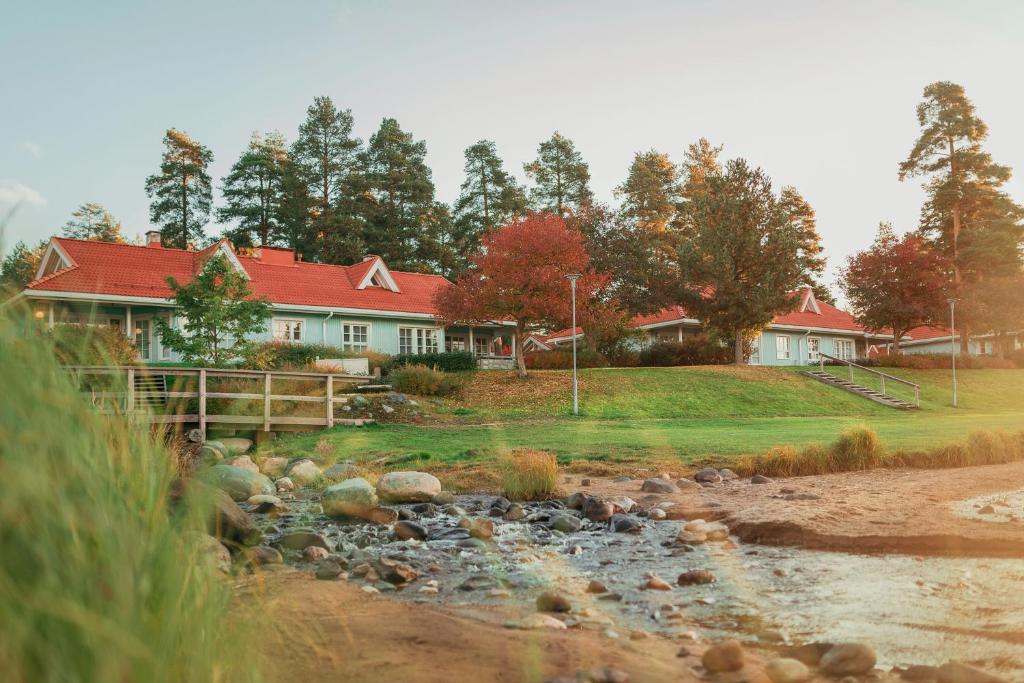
[[144, 338], [813, 349]]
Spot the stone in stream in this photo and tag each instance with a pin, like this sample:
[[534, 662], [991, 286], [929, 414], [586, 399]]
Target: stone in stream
[[848, 659], [955, 672], [444, 498], [597, 510], [760, 479], [708, 475], [657, 514], [350, 498], [240, 484], [478, 528], [406, 530], [425, 509], [274, 466], [550, 601], [564, 522], [624, 524], [576, 501], [514, 513], [622, 503], [479, 582], [262, 555], [328, 570], [213, 551], [500, 503], [229, 522], [596, 586], [340, 472], [394, 572], [381, 515], [655, 583], [540, 621], [695, 577], [301, 539], [314, 553], [725, 656], [408, 487], [659, 486], [304, 472], [811, 653], [284, 485], [785, 670], [456, 534]]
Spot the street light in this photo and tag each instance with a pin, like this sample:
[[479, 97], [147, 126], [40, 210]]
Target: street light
[[952, 342], [572, 278]]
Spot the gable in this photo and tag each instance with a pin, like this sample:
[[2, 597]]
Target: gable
[[377, 275], [54, 259]]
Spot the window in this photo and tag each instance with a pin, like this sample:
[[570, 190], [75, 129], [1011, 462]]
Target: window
[[417, 340], [482, 346], [143, 340], [782, 346], [755, 351], [844, 349], [454, 343], [813, 349], [286, 330], [355, 337]]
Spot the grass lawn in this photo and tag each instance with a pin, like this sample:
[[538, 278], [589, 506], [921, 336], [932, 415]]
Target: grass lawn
[[684, 414]]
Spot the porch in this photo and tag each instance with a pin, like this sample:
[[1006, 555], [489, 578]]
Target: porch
[[494, 348]]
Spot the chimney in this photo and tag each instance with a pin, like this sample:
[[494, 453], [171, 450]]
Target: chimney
[[153, 238]]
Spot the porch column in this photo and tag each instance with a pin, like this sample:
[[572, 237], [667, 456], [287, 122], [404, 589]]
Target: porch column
[[129, 327], [50, 314], [472, 346], [680, 334], [513, 344]]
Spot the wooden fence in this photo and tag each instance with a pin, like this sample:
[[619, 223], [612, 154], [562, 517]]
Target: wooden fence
[[138, 389]]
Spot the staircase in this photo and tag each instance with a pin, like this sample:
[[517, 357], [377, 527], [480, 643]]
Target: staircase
[[870, 394], [150, 391]]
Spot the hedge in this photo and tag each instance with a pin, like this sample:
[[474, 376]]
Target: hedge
[[451, 361]]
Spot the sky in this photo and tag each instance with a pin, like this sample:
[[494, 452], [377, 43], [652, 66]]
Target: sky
[[820, 94]]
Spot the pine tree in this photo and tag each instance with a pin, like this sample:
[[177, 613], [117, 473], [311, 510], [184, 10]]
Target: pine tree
[[182, 190], [489, 198], [699, 161], [967, 216], [92, 222], [292, 229], [801, 215], [398, 199], [253, 192], [19, 267], [561, 178], [650, 192]]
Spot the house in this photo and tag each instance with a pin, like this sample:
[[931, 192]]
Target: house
[[933, 339], [362, 307], [795, 338]]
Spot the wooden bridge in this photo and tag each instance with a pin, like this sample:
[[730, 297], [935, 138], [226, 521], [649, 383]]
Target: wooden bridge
[[144, 393]]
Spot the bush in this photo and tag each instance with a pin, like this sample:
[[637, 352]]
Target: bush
[[92, 345], [528, 474], [449, 361], [941, 361], [280, 355], [423, 381], [694, 350], [857, 448], [562, 360]]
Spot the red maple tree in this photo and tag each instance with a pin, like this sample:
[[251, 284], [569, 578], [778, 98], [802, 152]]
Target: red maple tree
[[520, 275]]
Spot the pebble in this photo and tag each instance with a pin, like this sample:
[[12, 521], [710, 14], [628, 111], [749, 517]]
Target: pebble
[[725, 656], [328, 570], [541, 621], [369, 589], [785, 670], [659, 486], [625, 524], [514, 513], [657, 514], [695, 577], [657, 584], [760, 479], [708, 475], [407, 530], [314, 553], [848, 659], [550, 601]]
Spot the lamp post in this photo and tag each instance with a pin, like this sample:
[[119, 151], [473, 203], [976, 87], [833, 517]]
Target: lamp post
[[952, 342], [572, 278]]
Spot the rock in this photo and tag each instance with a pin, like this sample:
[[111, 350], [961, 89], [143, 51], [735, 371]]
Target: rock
[[381, 515], [576, 501], [229, 522], [687, 485], [425, 509], [409, 530], [726, 474], [209, 455], [443, 498], [360, 402], [478, 582], [213, 551], [541, 621], [456, 534], [716, 531], [264, 498], [340, 472], [810, 653], [625, 524], [302, 539], [687, 537], [695, 577], [564, 522], [987, 510], [585, 482], [284, 485], [597, 510], [387, 409], [785, 670], [708, 475], [314, 553], [240, 484], [350, 498], [236, 445], [725, 656], [515, 513], [760, 479], [955, 672], [394, 572], [478, 528], [262, 555], [622, 503], [408, 487], [244, 462], [217, 446], [655, 583], [304, 473], [657, 514], [659, 486], [500, 503], [328, 570], [549, 601], [848, 659], [596, 586], [274, 466]]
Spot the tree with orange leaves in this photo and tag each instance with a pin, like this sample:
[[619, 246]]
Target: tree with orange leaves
[[519, 275]]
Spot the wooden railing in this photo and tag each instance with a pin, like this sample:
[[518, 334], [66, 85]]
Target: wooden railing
[[882, 375], [129, 400]]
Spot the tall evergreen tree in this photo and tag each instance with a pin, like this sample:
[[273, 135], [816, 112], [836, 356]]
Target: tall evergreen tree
[[90, 221], [966, 216], [294, 212], [699, 161], [253, 192], [398, 199], [801, 214], [650, 192], [19, 266], [489, 198], [561, 178], [182, 190]]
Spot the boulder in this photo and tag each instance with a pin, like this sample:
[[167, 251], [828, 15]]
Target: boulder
[[262, 555], [955, 672], [727, 475], [381, 515], [550, 601], [229, 522], [786, 670], [284, 485], [597, 510], [406, 530], [350, 498], [240, 484], [213, 551], [708, 475], [687, 485], [340, 472], [848, 659], [408, 487], [328, 570], [625, 524], [264, 504], [565, 522], [274, 466], [622, 503], [725, 656], [217, 446], [659, 485], [301, 539], [244, 462], [304, 473], [236, 445], [209, 455], [314, 553]]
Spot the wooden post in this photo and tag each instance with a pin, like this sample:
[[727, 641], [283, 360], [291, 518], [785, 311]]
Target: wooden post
[[266, 402], [202, 403], [883, 385], [51, 315], [330, 401], [129, 400]]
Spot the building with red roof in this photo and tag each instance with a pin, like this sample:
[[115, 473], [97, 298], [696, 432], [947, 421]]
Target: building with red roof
[[362, 307]]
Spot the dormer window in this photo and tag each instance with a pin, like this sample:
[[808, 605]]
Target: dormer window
[[378, 275], [53, 260]]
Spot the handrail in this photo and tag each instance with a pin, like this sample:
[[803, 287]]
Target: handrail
[[884, 375], [194, 371]]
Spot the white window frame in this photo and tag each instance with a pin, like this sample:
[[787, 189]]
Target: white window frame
[[418, 338], [780, 352], [816, 355], [290, 337], [146, 352], [346, 342], [755, 351], [450, 341], [841, 346]]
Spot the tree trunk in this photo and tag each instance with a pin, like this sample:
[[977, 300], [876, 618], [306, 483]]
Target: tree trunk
[[739, 348], [520, 356]]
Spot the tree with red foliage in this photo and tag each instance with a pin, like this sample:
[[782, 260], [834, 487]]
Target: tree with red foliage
[[519, 274], [897, 284]]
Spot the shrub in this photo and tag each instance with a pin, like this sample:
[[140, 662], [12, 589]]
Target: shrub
[[449, 361], [280, 355], [92, 345], [941, 361], [423, 381], [528, 474], [857, 448], [562, 360], [693, 350]]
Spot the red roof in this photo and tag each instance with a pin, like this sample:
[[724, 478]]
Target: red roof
[[925, 332], [128, 270], [665, 315]]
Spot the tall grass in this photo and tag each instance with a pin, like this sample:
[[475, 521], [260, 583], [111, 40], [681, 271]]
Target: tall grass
[[528, 474], [102, 578]]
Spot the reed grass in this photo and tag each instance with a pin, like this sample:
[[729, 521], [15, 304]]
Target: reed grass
[[528, 474]]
